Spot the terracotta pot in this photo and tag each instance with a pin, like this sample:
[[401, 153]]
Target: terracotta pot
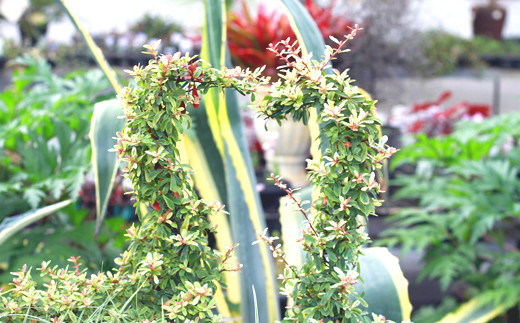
[[489, 21]]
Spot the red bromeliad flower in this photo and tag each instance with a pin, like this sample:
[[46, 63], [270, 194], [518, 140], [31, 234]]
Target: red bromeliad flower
[[328, 20], [433, 119], [249, 37], [427, 105]]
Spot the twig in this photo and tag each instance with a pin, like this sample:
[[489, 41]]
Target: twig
[[289, 192]]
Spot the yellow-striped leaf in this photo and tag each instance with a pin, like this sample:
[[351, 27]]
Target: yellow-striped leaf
[[246, 216], [474, 312], [104, 163], [385, 287], [94, 49], [311, 41]]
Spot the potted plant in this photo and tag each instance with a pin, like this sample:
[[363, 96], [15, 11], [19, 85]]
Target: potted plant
[[435, 118], [488, 19], [35, 20]]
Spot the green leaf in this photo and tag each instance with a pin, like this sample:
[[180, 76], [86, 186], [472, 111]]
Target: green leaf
[[476, 312], [12, 225], [94, 49], [169, 202], [364, 198], [105, 124], [246, 215], [33, 196], [385, 288]]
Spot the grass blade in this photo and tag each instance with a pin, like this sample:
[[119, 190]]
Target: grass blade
[[257, 320]]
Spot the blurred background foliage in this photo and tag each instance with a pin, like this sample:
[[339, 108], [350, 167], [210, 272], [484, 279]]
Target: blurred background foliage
[[45, 158]]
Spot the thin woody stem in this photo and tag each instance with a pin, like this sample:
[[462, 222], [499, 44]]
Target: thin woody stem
[[289, 192], [282, 256], [342, 43]]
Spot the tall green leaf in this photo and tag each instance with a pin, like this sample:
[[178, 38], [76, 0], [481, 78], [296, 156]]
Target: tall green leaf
[[209, 177], [305, 28], [384, 285], [246, 215], [104, 125]]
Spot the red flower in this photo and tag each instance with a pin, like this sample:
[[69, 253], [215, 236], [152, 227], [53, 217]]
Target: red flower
[[425, 106], [249, 36], [157, 206]]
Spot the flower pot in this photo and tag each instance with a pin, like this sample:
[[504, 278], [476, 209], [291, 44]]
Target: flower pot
[[33, 27], [285, 148], [489, 21]]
